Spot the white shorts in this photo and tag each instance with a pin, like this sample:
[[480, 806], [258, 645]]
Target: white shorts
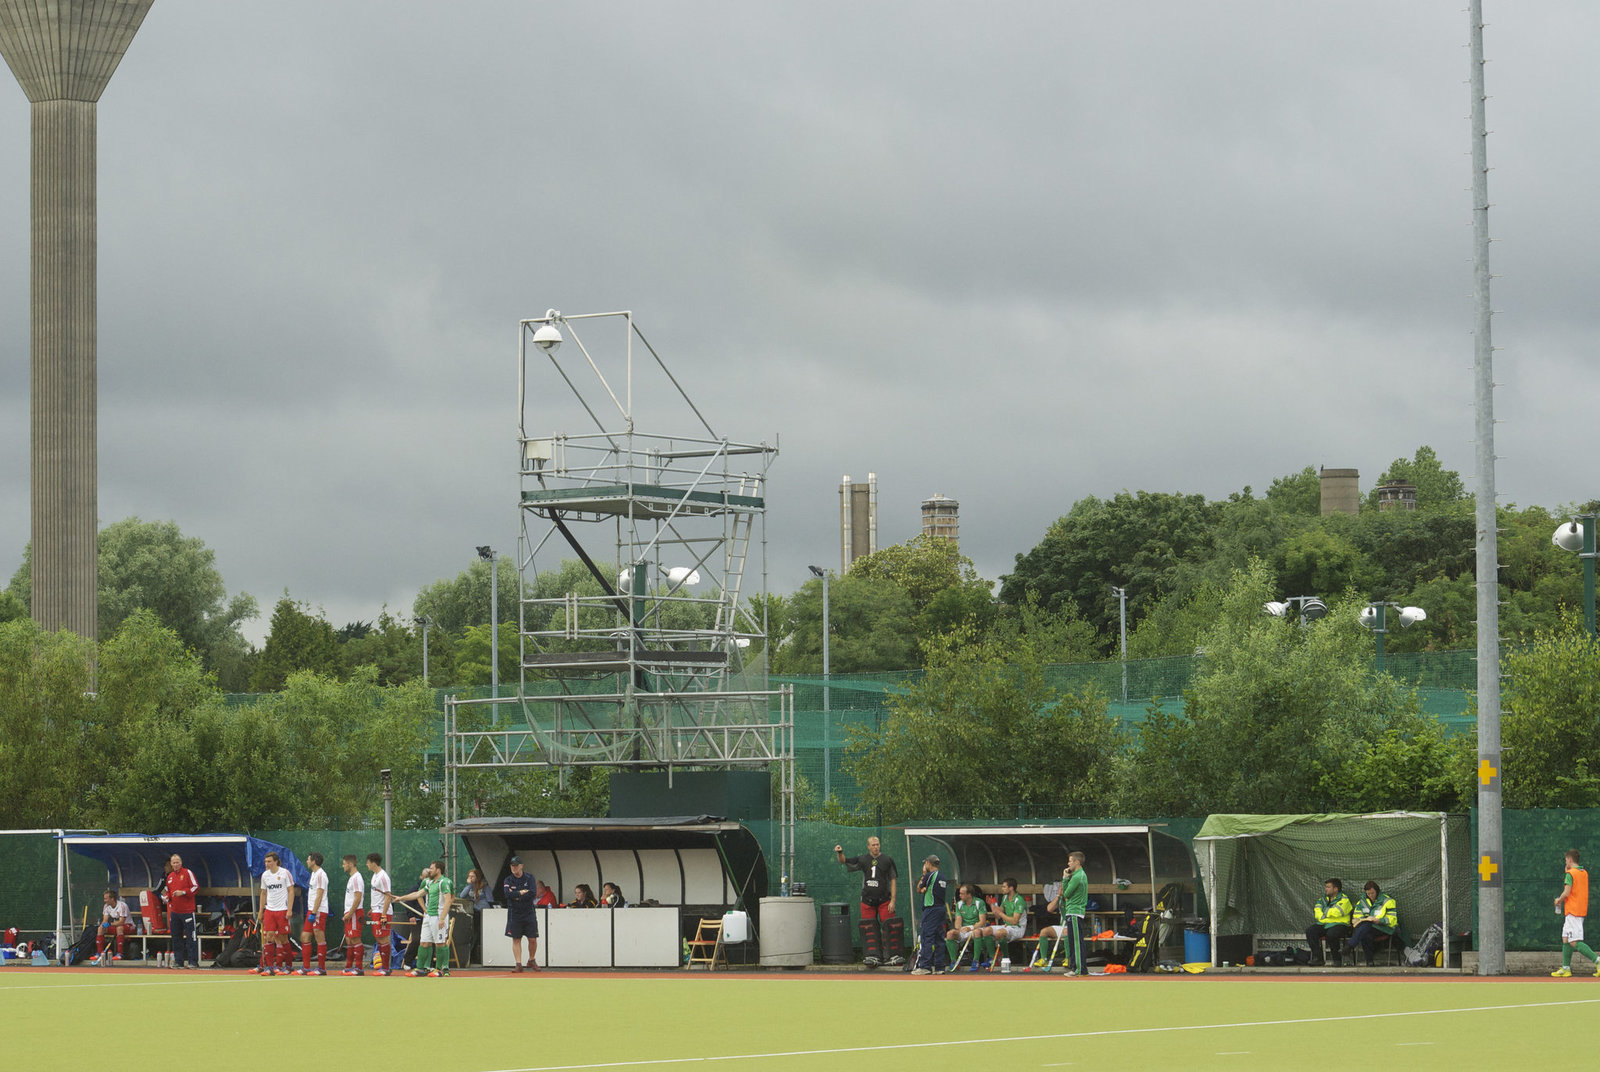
[[433, 931], [1014, 931], [1572, 929]]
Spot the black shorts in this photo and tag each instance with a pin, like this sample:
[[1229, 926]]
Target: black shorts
[[519, 926]]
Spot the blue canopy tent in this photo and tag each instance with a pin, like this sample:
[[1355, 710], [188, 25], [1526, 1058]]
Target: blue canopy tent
[[223, 864]]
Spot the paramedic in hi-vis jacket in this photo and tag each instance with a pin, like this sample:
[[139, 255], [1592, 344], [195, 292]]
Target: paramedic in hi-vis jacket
[[1332, 928]]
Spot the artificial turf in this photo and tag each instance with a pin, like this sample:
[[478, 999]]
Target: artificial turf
[[480, 1022]]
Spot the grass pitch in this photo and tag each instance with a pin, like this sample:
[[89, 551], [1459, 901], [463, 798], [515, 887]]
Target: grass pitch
[[483, 1022]]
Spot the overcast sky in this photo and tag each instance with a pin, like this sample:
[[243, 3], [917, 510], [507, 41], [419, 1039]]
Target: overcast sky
[[1017, 254]]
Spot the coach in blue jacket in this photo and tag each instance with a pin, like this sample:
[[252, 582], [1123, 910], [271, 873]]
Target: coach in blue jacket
[[932, 889]]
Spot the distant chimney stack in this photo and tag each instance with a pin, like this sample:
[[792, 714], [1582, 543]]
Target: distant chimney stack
[[858, 519], [1341, 491]]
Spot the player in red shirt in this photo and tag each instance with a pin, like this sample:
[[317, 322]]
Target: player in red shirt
[[181, 889]]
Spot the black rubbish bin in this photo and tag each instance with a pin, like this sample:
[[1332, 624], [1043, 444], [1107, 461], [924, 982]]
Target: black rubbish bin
[[836, 944]]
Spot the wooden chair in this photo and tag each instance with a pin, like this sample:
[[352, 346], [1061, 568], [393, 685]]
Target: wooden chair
[[706, 946]]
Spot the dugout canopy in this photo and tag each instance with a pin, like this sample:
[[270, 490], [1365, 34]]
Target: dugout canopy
[[223, 864], [701, 862], [1263, 872]]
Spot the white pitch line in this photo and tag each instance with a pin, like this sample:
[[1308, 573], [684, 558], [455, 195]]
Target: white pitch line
[[648, 1062]]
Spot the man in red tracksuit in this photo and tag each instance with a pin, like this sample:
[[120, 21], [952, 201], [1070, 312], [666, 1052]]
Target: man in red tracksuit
[[181, 889]]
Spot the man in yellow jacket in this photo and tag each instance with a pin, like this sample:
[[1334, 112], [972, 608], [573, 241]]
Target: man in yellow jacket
[[1332, 926]]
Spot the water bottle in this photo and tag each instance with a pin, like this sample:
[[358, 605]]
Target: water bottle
[[783, 887]]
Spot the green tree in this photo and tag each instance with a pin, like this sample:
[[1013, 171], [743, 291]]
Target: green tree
[[1176, 626], [1320, 562], [11, 608], [1436, 486], [870, 627], [1550, 733], [51, 743], [473, 654], [393, 648], [1297, 493], [1148, 542], [151, 565], [457, 602], [299, 640], [1273, 719], [981, 734]]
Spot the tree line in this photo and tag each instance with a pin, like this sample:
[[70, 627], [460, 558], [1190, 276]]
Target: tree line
[[1190, 567]]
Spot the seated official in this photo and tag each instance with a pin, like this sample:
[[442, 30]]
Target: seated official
[[583, 897], [543, 896], [1375, 914], [611, 896], [1332, 926], [477, 892]]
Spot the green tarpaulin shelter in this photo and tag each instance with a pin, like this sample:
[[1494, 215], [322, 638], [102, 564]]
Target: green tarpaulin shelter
[[1262, 872]]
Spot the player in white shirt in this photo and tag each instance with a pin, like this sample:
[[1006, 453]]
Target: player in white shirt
[[316, 922], [277, 897], [354, 891], [114, 919], [380, 907]]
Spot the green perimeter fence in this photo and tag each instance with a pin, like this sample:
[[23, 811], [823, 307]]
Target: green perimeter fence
[[1534, 842]]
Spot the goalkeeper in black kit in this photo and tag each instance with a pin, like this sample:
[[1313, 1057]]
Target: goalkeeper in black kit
[[883, 933]]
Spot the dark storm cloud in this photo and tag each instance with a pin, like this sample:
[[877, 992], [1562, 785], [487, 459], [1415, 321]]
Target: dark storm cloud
[[1017, 256]]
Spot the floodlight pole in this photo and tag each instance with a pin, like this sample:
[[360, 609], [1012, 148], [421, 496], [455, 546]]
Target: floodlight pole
[[424, 621], [1491, 858], [1122, 604], [1586, 551], [489, 555], [827, 742], [388, 818]]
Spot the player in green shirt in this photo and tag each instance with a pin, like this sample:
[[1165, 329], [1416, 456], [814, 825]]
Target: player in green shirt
[[1073, 902], [968, 920], [437, 894], [1010, 917]]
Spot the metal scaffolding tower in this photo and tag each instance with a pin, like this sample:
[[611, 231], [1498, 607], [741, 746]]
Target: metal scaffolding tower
[[641, 658]]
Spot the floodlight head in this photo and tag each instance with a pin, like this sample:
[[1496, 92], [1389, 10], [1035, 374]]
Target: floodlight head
[[547, 338], [817, 571], [683, 575], [1569, 537], [1410, 616], [1369, 617], [486, 553], [1274, 608], [625, 578], [1312, 608]]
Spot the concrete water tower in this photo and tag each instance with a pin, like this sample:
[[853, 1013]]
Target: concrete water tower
[[1341, 491], [940, 517], [63, 53]]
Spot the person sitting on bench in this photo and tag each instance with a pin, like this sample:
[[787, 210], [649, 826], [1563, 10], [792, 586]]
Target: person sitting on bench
[[114, 919], [1375, 917], [1332, 926]]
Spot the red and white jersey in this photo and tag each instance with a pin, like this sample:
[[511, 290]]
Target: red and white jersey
[[380, 886], [353, 892], [275, 887], [115, 912], [317, 883]]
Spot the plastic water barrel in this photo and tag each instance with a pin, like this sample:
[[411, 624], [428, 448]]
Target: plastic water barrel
[[735, 927], [1196, 947], [836, 945], [788, 930]]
